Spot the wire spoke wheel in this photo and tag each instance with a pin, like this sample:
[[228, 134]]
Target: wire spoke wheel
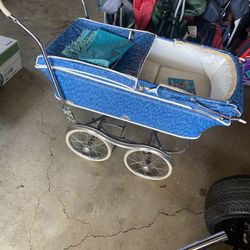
[[88, 144], [148, 164]]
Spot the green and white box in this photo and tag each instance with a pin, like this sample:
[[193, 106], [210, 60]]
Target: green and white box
[[10, 59]]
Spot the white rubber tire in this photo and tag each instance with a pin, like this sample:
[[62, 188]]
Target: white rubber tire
[[92, 133], [168, 163]]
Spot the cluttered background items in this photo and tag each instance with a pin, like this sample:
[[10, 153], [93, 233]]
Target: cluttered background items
[[222, 24]]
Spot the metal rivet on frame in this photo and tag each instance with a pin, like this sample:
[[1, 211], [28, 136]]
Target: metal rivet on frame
[[141, 88], [125, 117]]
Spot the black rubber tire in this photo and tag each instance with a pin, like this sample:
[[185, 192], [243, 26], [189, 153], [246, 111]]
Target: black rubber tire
[[227, 208]]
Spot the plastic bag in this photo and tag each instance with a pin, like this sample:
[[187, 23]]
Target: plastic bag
[[109, 6]]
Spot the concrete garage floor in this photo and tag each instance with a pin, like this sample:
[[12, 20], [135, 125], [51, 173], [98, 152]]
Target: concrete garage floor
[[51, 199]]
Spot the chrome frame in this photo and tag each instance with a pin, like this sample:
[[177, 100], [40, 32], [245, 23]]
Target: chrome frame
[[85, 9], [154, 144], [207, 242]]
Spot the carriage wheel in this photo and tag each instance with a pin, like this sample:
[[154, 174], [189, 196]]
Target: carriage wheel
[[88, 144], [148, 164]]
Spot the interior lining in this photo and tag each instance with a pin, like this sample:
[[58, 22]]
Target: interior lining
[[212, 72]]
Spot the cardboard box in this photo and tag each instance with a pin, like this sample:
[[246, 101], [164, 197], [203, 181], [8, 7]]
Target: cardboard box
[[10, 59]]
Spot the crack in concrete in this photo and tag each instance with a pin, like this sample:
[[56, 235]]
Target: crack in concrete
[[32, 224], [50, 165], [51, 139], [134, 228], [74, 219], [67, 214], [78, 244]]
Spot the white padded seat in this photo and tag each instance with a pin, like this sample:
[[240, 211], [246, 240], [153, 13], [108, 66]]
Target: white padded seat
[[213, 73]]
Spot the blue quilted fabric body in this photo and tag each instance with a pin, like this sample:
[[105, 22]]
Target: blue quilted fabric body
[[118, 92]]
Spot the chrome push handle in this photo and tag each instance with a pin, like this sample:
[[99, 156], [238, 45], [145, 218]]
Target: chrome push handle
[[5, 11], [59, 92], [85, 9]]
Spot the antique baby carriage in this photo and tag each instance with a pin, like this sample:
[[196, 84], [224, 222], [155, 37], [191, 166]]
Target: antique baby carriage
[[168, 86]]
